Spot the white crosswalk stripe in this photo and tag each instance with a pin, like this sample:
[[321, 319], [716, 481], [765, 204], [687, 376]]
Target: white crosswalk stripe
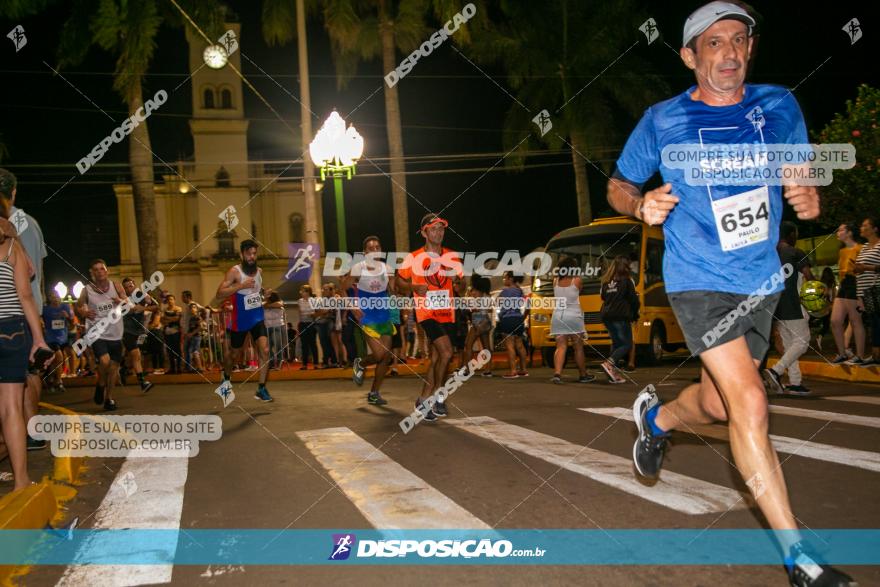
[[146, 494], [862, 459], [868, 421], [387, 494], [859, 399], [675, 491]]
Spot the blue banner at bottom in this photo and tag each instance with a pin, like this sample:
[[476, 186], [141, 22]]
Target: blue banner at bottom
[[407, 547]]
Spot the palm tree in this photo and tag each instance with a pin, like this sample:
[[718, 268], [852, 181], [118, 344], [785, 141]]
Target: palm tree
[[126, 29], [362, 30], [578, 61], [283, 22]]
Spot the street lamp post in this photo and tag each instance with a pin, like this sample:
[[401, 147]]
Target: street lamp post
[[336, 150]]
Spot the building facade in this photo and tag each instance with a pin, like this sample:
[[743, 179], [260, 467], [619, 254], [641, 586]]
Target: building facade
[[198, 242]]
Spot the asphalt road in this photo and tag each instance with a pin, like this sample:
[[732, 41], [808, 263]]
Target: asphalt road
[[294, 463]]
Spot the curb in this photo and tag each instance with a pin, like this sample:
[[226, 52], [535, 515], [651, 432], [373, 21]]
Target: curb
[[26, 509], [35, 507], [837, 372], [66, 469]]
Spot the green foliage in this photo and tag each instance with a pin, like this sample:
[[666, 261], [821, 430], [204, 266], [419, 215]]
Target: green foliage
[[576, 60], [15, 9], [854, 192], [127, 28]]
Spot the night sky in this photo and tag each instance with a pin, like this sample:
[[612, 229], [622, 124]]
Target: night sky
[[448, 107]]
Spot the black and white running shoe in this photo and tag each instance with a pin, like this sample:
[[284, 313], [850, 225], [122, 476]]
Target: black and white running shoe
[[649, 448], [806, 569]]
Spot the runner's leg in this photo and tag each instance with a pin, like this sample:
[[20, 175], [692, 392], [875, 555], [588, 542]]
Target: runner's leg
[[736, 378], [441, 354], [262, 345], [381, 355]]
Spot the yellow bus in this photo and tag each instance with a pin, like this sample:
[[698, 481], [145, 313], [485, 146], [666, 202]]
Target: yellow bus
[[594, 246]]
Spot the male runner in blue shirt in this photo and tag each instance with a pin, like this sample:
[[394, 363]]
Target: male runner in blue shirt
[[721, 252]]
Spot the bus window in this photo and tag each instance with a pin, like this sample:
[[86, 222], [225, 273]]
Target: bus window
[[653, 262], [593, 253]]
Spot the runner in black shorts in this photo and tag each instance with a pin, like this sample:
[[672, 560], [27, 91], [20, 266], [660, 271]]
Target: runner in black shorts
[[242, 287], [720, 267], [135, 333], [95, 303], [433, 274]]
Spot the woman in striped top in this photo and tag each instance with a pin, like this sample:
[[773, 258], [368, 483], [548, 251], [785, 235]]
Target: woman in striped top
[[20, 337], [867, 270]]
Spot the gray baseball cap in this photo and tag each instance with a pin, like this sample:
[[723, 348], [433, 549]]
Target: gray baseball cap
[[705, 16]]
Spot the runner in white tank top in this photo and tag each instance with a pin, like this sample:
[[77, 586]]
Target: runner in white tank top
[[101, 302], [96, 302]]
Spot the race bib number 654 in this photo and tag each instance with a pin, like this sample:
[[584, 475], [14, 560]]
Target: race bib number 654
[[742, 220]]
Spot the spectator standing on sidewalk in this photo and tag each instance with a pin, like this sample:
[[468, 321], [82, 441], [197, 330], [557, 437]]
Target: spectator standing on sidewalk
[[567, 321], [171, 322], [273, 312], [791, 318], [307, 328], [325, 319], [620, 308], [156, 341], [193, 339], [867, 270], [847, 302], [512, 324]]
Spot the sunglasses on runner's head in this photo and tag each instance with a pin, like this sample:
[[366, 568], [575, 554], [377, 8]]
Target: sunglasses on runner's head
[[435, 221]]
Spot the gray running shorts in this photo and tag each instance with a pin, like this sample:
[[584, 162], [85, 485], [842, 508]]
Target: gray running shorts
[[711, 318]]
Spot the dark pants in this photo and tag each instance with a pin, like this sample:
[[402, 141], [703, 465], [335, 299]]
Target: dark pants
[[349, 331], [172, 343], [157, 348], [324, 327], [621, 339], [308, 333]]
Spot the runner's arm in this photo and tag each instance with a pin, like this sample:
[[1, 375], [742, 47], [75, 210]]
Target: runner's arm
[[404, 286], [346, 282], [120, 293], [624, 197], [460, 285], [229, 286], [150, 304], [82, 307]]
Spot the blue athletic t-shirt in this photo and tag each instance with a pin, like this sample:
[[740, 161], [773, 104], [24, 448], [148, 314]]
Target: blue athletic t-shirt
[[694, 258], [55, 322]]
